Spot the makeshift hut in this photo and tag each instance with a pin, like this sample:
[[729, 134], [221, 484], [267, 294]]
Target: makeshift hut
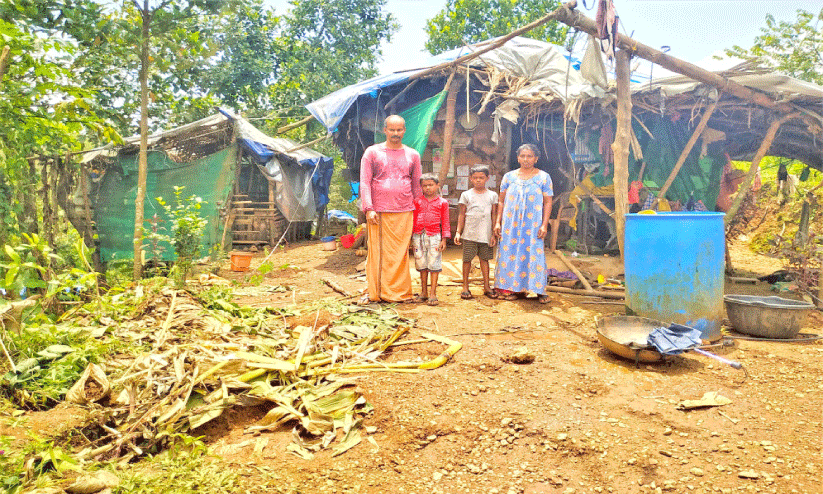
[[255, 189], [477, 104]]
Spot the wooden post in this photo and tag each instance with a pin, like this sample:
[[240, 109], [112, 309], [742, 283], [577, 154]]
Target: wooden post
[[448, 130], [271, 221], [761, 152], [620, 146], [704, 120], [567, 15]]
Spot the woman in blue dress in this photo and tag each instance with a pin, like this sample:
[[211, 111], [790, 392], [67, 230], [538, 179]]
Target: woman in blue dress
[[524, 205]]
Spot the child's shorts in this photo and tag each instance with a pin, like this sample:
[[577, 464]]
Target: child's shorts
[[426, 255], [480, 249]]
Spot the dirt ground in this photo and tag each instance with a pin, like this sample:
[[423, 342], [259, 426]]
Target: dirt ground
[[578, 419]]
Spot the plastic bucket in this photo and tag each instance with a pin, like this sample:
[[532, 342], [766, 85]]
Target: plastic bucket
[[347, 240], [240, 261], [329, 243], [674, 264]]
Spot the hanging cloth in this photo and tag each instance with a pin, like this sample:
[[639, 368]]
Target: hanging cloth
[[606, 21]]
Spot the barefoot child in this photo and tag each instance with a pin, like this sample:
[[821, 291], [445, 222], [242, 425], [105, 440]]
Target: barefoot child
[[478, 207], [429, 234]]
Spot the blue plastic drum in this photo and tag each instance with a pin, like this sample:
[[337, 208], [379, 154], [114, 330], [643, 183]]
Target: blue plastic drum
[[674, 264]]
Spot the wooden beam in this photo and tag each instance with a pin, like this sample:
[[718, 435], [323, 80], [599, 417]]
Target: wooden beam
[[554, 15], [761, 152], [448, 130], [567, 15], [289, 127], [622, 141], [704, 120]]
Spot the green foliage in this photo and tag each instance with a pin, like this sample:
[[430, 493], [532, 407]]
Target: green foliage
[[247, 59], [49, 359], [793, 48], [28, 265], [469, 21], [261, 271], [183, 469], [187, 229], [327, 45]]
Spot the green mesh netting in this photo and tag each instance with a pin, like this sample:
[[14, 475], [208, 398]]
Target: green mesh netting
[[210, 178], [698, 176]]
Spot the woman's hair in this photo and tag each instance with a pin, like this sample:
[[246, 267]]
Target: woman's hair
[[429, 176], [530, 147]]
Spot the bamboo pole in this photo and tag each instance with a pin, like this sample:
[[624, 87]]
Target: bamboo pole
[[704, 120], [301, 123], [448, 130], [567, 15], [761, 152], [620, 146]]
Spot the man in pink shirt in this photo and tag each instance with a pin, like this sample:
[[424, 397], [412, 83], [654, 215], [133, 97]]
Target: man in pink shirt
[[389, 183]]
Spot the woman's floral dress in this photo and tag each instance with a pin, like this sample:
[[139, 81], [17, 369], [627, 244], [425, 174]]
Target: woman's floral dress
[[521, 262]]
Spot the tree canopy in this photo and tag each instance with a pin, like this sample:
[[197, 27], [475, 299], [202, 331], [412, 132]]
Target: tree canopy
[[793, 48], [71, 80], [469, 21]]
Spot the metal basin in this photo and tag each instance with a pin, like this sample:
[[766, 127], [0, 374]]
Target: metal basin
[[766, 317], [627, 337]]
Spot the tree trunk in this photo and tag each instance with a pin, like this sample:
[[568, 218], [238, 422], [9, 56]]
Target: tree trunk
[[448, 129], [620, 146], [142, 172]]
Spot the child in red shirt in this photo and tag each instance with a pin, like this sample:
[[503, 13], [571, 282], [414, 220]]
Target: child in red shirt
[[429, 233]]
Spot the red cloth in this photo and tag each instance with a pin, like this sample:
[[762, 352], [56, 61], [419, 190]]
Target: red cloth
[[634, 191], [432, 216], [389, 179]]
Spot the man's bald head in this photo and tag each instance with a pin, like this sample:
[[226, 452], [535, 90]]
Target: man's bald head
[[394, 120]]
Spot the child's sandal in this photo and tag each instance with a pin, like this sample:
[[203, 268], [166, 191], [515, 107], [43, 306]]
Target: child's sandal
[[491, 293], [432, 301], [467, 295]]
